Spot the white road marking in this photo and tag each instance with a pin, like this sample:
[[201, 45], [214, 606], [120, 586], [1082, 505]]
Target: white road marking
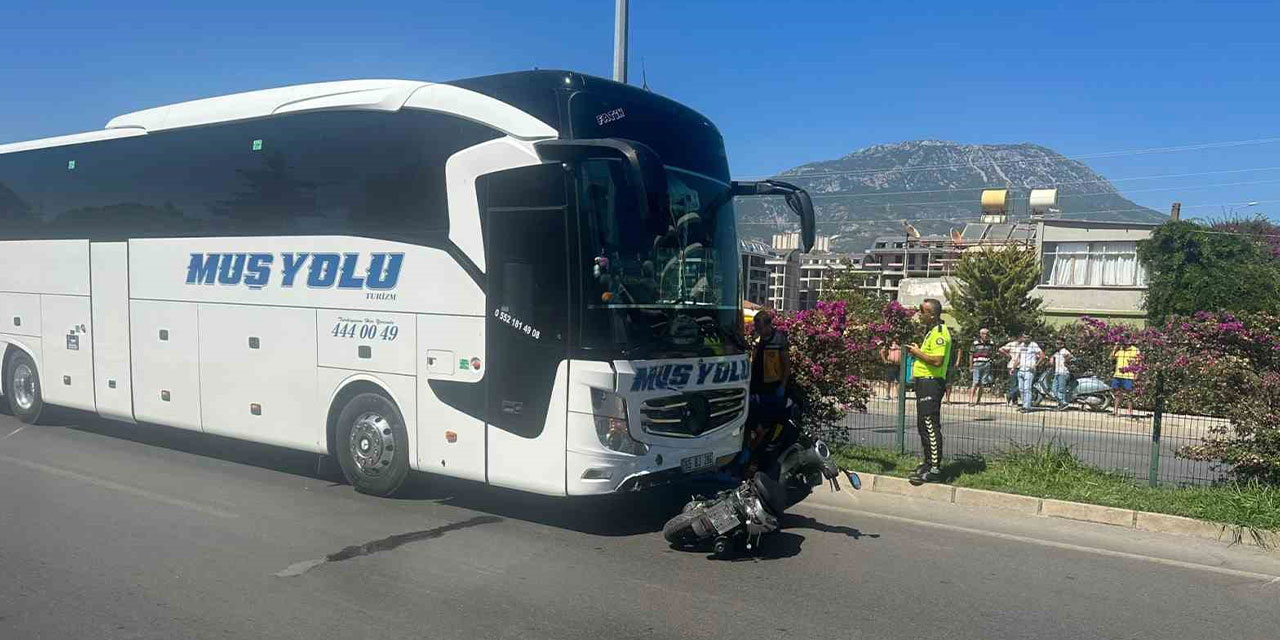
[[299, 568], [1059, 545], [115, 486], [14, 433]]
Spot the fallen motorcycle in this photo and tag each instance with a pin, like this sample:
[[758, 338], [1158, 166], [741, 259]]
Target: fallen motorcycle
[[740, 516], [731, 517]]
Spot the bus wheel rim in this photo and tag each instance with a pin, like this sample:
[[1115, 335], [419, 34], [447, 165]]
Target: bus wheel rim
[[24, 387], [372, 444]]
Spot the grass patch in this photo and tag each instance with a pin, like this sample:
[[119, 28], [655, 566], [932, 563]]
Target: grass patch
[[889, 463], [873, 460], [1052, 471]]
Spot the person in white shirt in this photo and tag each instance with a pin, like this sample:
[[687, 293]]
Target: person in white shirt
[[1061, 375], [1030, 355]]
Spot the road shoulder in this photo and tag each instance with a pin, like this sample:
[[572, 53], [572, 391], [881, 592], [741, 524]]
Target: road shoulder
[[1020, 525]]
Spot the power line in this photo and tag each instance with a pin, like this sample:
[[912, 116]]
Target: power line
[[782, 223], [1185, 206], [1175, 188], [1196, 173], [1063, 183], [1103, 154], [975, 220], [1074, 214], [1068, 195], [1236, 233], [1187, 147]]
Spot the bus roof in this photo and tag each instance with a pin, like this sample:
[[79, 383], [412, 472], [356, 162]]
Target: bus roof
[[375, 95], [380, 95]]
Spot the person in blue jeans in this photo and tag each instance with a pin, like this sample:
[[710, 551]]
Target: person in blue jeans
[[1029, 357], [1061, 376]]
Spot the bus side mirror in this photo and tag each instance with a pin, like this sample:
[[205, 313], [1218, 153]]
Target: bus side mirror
[[797, 199], [802, 205]]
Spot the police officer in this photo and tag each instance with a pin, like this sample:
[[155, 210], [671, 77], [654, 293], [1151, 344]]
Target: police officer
[[930, 373]]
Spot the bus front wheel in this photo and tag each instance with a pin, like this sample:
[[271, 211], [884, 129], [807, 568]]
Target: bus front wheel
[[372, 445], [22, 387]]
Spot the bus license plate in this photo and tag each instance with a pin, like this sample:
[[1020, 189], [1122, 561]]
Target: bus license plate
[[700, 462]]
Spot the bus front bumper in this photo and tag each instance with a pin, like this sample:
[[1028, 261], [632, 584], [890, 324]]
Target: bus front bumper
[[596, 471]]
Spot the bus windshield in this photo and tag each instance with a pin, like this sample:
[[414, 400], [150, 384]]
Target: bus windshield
[[651, 294]]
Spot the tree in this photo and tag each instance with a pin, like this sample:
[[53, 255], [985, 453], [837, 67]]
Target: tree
[[1193, 268], [1262, 230], [992, 288], [845, 287]]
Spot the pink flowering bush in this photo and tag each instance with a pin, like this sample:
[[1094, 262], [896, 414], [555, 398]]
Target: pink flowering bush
[[1210, 364], [835, 353]]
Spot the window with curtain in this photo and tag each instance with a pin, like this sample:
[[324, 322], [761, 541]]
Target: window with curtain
[[1093, 264]]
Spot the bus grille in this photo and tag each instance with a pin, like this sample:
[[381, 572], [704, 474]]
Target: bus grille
[[692, 414]]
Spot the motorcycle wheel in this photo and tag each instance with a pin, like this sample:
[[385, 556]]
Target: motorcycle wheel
[[1104, 406], [679, 530], [723, 549]]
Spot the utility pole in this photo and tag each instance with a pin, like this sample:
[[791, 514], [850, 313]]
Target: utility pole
[[620, 42]]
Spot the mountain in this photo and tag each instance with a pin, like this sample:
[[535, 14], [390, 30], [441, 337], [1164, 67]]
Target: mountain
[[936, 185]]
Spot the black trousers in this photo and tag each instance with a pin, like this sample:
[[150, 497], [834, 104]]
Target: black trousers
[[929, 393]]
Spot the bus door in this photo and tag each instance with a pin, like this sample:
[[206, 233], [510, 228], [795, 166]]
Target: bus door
[[527, 326]]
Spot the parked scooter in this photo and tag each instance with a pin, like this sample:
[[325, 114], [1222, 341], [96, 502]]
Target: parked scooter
[[1087, 391]]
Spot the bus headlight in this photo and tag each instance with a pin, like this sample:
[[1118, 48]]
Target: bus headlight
[[610, 413]]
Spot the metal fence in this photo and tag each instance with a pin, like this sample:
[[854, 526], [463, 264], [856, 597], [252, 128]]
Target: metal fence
[[1143, 445]]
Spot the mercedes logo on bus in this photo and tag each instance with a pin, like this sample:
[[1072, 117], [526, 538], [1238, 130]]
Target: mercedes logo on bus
[[696, 413]]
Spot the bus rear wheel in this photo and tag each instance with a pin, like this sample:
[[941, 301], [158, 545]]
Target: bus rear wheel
[[22, 387], [372, 445]]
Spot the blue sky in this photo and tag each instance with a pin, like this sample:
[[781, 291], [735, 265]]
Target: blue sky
[[786, 83]]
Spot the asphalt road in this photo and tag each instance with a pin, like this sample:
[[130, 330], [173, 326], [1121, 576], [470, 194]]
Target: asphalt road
[[1120, 444], [116, 531]]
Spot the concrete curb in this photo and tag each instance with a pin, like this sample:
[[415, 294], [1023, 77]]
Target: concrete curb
[[997, 500], [1049, 508]]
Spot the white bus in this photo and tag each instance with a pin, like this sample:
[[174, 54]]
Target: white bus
[[528, 279]]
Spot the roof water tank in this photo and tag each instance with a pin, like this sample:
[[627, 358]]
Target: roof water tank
[[1043, 201], [995, 201]]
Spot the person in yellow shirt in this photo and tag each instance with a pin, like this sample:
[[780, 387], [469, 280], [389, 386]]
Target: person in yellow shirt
[[932, 359], [1122, 380], [770, 367]]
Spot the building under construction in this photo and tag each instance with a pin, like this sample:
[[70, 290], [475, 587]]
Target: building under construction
[[1089, 267]]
